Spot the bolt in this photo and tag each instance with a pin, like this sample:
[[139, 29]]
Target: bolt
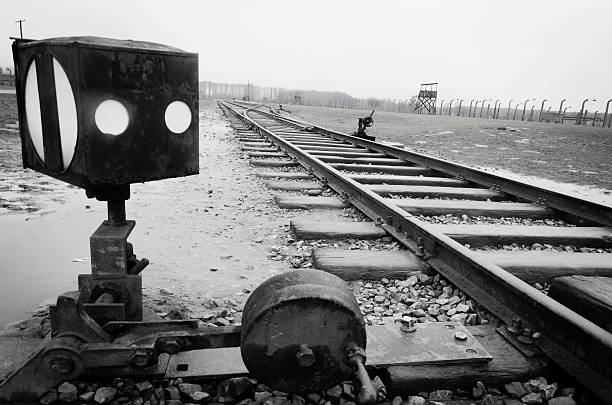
[[536, 335], [140, 358], [462, 336], [408, 326], [305, 356], [62, 364]]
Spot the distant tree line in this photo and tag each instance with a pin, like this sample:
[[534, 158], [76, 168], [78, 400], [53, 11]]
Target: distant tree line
[[213, 90]]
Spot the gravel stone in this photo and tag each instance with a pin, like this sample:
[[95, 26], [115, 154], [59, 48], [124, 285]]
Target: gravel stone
[[416, 400], [441, 395], [87, 396], [533, 398], [143, 386], [516, 389], [67, 392], [335, 391], [105, 395]]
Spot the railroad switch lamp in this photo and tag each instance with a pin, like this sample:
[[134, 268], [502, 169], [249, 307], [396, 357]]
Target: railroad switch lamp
[[101, 114]]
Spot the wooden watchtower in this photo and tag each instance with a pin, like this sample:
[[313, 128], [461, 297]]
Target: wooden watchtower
[[426, 101]]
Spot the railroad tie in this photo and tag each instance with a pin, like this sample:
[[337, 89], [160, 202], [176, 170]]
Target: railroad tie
[[294, 185], [591, 297], [272, 162], [544, 266], [492, 235], [463, 193], [285, 175], [408, 170], [415, 179], [306, 229], [266, 154], [368, 264], [307, 203], [427, 207]]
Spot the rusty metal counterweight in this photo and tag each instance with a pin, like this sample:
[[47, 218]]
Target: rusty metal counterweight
[[297, 328]]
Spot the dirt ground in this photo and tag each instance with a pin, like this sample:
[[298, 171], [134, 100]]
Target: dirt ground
[[561, 153]]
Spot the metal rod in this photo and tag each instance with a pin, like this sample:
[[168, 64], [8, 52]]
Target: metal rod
[[116, 212], [515, 108], [541, 109], [579, 120], [560, 107], [459, 110], [20, 27], [509, 106], [603, 124]]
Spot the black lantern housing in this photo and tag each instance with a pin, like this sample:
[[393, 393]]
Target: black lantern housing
[[100, 113]]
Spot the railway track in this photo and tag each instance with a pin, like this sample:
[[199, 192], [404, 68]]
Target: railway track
[[427, 204]]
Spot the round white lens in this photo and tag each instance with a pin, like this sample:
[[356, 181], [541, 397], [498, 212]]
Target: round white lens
[[32, 107], [112, 117], [178, 117]]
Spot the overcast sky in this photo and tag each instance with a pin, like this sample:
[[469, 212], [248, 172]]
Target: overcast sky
[[475, 49]]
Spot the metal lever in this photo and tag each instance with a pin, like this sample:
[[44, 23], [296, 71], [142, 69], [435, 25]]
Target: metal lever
[[366, 392]]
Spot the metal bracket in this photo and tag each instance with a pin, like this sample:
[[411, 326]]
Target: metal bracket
[[81, 345]]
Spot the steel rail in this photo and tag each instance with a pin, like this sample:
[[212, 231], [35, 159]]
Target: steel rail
[[579, 346], [580, 209]]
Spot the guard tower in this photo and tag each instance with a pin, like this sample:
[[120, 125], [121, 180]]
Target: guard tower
[[426, 101]]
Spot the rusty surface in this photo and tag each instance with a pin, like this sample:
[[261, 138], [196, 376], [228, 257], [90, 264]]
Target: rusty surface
[[293, 310], [144, 77], [430, 343]]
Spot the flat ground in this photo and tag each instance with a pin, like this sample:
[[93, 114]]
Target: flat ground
[[563, 153]]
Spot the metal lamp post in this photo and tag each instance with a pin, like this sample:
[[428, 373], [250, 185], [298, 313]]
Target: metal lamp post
[[495, 111], [475, 107], [542, 109], [450, 106], [482, 106], [509, 106], [560, 108], [525, 108], [470, 112], [563, 117], [515, 109], [441, 104], [603, 124], [459, 110], [580, 116]]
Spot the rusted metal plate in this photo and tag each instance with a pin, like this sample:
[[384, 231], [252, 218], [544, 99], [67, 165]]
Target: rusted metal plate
[[15, 351], [432, 343], [225, 362]]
